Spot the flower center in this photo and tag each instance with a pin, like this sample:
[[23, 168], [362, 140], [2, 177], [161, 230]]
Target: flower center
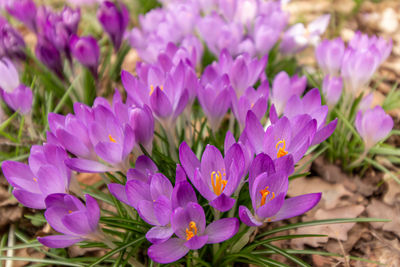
[[112, 139], [217, 183], [281, 149], [264, 193], [70, 211], [191, 231], [152, 89], [35, 179]]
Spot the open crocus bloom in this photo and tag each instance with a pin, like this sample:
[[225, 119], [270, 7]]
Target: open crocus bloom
[[189, 224], [311, 104], [215, 177], [282, 137], [67, 215], [46, 174], [268, 191], [373, 125]]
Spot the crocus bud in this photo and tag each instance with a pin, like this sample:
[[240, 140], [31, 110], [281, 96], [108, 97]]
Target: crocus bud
[[373, 125], [49, 55], [71, 19], [19, 99], [332, 89], [9, 79], [25, 11], [114, 21], [142, 123], [329, 54], [12, 45], [86, 51]]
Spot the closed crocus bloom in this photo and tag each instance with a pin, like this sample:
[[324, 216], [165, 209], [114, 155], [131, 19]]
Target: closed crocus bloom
[[310, 104], [86, 51], [329, 54], [373, 125], [19, 99], [25, 11], [366, 102], [114, 20], [9, 79], [254, 100], [332, 89], [71, 18], [283, 87], [12, 45], [49, 55], [268, 192], [267, 30], [358, 67], [363, 42], [142, 123], [215, 177], [189, 225], [70, 217], [46, 174]]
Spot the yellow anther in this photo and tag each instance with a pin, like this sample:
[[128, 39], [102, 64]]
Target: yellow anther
[[217, 183], [70, 211], [191, 231], [264, 193], [252, 105], [152, 89], [34, 179], [111, 139], [281, 150]]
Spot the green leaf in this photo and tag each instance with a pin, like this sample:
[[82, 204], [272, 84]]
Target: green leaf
[[286, 255], [319, 222], [382, 168]]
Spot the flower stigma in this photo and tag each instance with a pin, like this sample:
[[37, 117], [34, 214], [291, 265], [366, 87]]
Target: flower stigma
[[191, 231], [35, 179], [152, 89], [217, 183], [264, 193], [112, 139], [281, 149]]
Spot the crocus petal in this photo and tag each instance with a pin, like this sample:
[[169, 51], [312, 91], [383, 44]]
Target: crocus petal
[[247, 217], [93, 212], [145, 164], [196, 242], [180, 175], [20, 175], [118, 191], [159, 234], [182, 194], [297, 205], [272, 207], [322, 134], [29, 199], [59, 241], [255, 131], [77, 222], [171, 250], [160, 186], [146, 212], [261, 163], [223, 203], [54, 217], [160, 104], [211, 161], [85, 165], [136, 191], [162, 210], [188, 160], [109, 152], [50, 180], [221, 230]]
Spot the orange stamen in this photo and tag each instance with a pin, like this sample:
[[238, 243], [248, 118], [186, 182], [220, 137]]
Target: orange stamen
[[70, 211], [191, 231], [218, 184], [152, 89], [264, 193], [112, 139], [281, 150], [34, 179]]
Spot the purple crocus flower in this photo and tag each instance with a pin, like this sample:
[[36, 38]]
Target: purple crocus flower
[[254, 100], [215, 177], [86, 51], [329, 54], [283, 87], [366, 102], [25, 11], [20, 99], [46, 174], [189, 224], [67, 215], [373, 125], [362, 42], [281, 138], [164, 92], [332, 89], [12, 44], [298, 36], [70, 18], [49, 55], [268, 191], [114, 20], [142, 123], [9, 75], [311, 104]]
